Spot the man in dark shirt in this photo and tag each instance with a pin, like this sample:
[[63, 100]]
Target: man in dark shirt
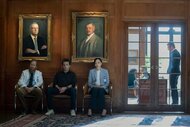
[[63, 83]]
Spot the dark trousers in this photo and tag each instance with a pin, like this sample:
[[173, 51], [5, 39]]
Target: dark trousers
[[173, 85], [97, 98], [36, 92], [54, 91]]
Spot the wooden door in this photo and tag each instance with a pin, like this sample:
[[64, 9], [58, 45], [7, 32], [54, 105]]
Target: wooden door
[[148, 82]]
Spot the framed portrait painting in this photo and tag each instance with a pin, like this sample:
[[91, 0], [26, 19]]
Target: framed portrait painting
[[89, 36], [34, 37]]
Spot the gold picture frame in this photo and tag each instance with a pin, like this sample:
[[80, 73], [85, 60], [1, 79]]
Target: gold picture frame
[[28, 49], [90, 36]]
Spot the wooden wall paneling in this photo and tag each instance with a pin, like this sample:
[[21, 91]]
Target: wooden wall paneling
[[20, 7], [119, 11], [187, 88], [153, 10], [3, 22], [114, 43], [15, 67], [119, 48], [1, 69]]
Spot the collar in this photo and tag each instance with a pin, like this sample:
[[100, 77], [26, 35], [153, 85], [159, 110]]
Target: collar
[[89, 36], [65, 72], [31, 71], [32, 36], [172, 50], [98, 70]]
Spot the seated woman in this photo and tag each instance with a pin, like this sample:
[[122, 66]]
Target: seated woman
[[98, 82], [132, 80]]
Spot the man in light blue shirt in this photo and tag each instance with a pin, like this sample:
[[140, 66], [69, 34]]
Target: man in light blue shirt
[[30, 83]]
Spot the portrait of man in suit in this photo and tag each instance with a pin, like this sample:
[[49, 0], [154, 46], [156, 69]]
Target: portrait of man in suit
[[92, 44], [34, 37], [90, 36], [33, 44]]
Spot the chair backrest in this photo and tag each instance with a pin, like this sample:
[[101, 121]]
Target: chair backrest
[[85, 89]]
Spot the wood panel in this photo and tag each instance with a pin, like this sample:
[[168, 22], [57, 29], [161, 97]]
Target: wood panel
[[114, 68], [153, 11], [187, 88], [119, 11], [3, 6]]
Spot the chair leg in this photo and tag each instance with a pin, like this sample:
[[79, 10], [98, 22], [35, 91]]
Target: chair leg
[[83, 105], [15, 106], [110, 106], [42, 103], [76, 106]]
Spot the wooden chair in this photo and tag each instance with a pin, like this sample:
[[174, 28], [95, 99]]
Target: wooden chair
[[86, 96], [63, 96], [28, 97]]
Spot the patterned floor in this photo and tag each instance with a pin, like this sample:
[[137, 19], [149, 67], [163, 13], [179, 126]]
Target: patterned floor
[[115, 120]]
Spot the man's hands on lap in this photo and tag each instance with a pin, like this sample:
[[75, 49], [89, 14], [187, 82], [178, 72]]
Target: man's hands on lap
[[29, 89]]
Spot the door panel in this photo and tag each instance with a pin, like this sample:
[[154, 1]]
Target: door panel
[[139, 64], [148, 62], [170, 88]]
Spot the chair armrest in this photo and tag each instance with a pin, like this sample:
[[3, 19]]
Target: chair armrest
[[85, 89], [41, 86], [110, 92], [51, 84], [16, 86]]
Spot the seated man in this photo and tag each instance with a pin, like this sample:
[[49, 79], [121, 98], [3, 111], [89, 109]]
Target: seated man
[[29, 83], [144, 73], [64, 82]]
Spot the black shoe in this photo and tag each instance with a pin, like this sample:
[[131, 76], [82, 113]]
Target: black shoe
[[89, 115]]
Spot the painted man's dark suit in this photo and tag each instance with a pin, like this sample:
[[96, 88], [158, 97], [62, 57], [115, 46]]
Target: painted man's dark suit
[[174, 71], [28, 43]]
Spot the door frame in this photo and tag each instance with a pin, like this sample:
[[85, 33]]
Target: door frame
[[155, 24]]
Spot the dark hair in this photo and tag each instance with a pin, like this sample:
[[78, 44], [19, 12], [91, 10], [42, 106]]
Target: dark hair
[[132, 71], [171, 44], [131, 77], [66, 60], [97, 59], [90, 23], [33, 61]]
